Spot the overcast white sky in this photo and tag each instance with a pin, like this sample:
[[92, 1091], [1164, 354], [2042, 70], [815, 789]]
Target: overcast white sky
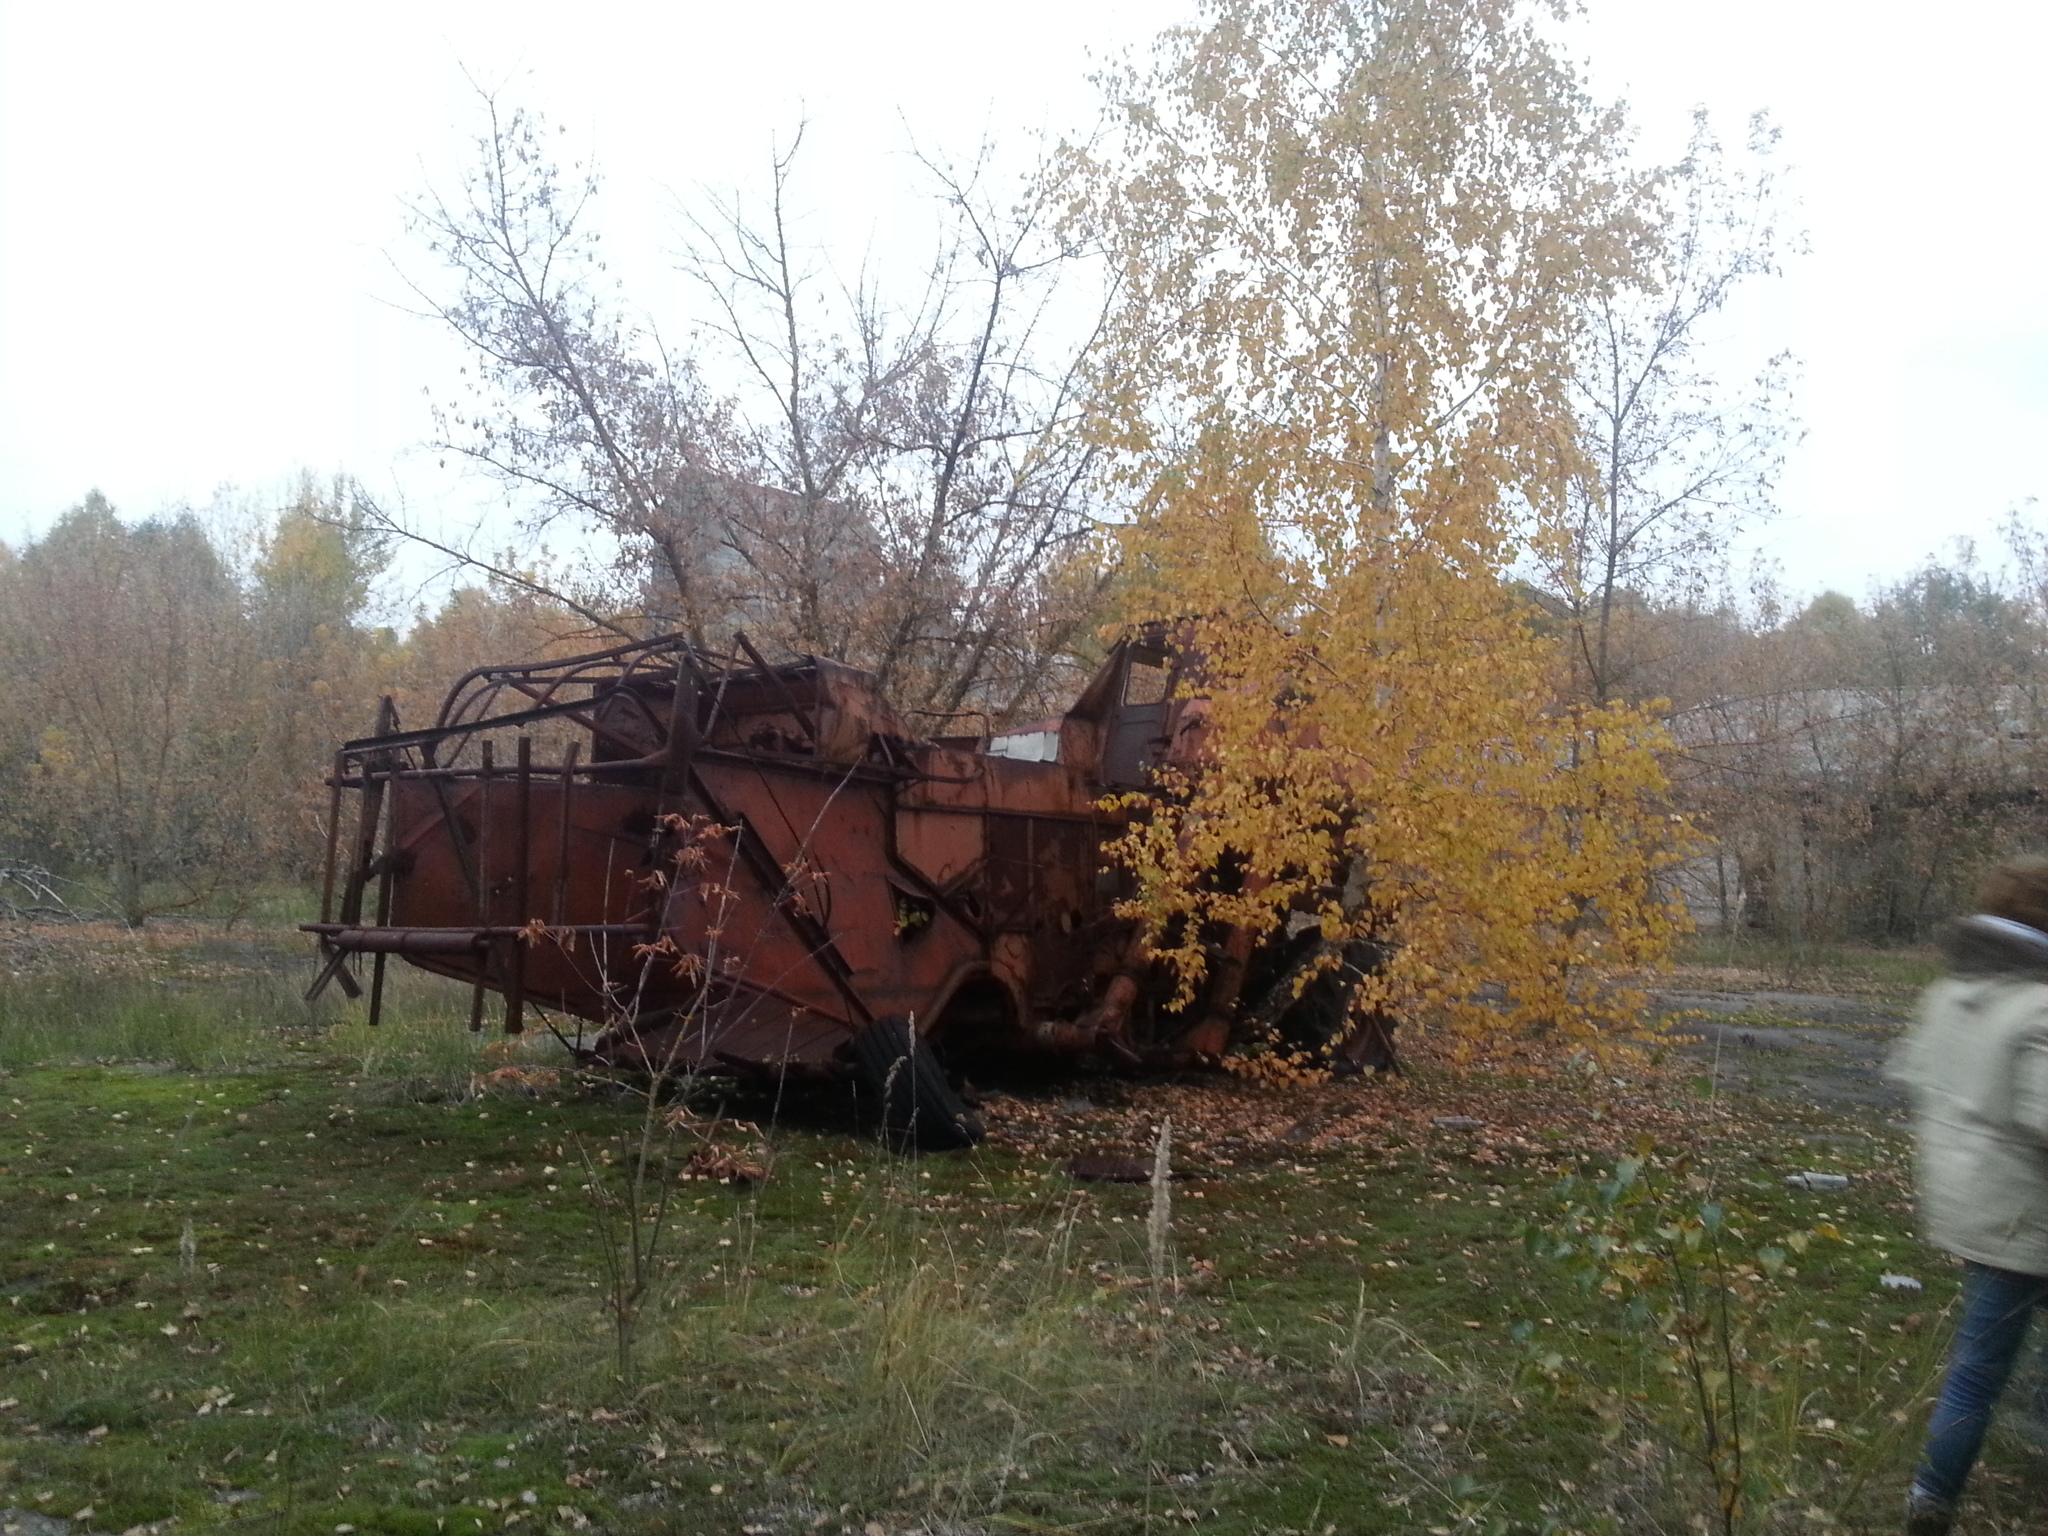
[[198, 203]]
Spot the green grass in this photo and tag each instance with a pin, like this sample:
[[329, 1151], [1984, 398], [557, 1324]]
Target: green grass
[[390, 1312], [1856, 968]]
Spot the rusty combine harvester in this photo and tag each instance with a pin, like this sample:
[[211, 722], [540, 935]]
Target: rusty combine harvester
[[735, 867]]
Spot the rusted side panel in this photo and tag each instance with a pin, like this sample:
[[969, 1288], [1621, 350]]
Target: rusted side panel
[[452, 855]]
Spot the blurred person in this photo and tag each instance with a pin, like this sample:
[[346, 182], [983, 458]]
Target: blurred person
[[1976, 1065]]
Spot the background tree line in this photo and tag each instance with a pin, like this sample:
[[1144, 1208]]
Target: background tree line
[[171, 693], [1857, 763]]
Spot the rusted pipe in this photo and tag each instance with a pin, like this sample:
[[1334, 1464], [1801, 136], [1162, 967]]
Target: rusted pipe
[[409, 941], [351, 935]]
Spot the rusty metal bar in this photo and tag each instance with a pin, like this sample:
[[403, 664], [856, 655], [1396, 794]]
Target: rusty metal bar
[[332, 959], [410, 941], [774, 884], [565, 664], [483, 881], [384, 874], [427, 738], [344, 933], [781, 687], [366, 826], [861, 773], [337, 961], [333, 841], [683, 741], [522, 859], [562, 836], [369, 816]]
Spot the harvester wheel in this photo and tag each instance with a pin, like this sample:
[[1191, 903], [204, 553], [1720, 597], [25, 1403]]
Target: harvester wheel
[[1320, 1018], [917, 1102]]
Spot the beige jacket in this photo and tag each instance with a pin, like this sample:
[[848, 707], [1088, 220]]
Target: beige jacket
[[1976, 1065]]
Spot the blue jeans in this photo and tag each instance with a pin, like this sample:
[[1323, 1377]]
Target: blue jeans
[[1997, 1305]]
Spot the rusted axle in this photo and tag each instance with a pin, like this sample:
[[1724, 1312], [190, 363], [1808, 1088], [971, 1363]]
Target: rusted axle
[[454, 941]]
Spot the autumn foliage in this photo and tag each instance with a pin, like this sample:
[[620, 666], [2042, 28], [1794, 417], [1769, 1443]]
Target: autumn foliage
[[1353, 246]]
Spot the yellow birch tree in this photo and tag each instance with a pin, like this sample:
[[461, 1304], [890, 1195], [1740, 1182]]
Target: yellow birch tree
[[1353, 241]]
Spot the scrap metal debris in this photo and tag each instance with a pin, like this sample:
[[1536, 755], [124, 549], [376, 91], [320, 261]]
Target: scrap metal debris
[[1817, 1180], [1108, 1168]]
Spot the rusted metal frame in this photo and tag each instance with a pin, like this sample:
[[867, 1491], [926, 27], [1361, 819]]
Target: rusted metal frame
[[369, 816], [522, 859], [439, 733], [805, 765], [562, 835], [638, 700], [813, 934], [464, 711], [781, 687], [330, 960], [384, 877], [478, 706], [374, 785], [795, 763], [335, 960], [463, 860], [760, 991], [684, 739], [801, 839], [737, 990], [334, 969], [676, 752], [387, 834], [333, 840], [540, 771], [460, 709], [842, 776], [568, 666], [545, 699], [481, 891], [538, 695], [679, 755]]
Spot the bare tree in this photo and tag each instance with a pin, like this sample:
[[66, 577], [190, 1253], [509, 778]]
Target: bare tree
[[1670, 462], [1859, 763], [928, 445], [902, 486], [581, 411]]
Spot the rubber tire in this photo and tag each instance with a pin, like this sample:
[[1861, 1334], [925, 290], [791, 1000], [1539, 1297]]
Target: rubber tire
[[1322, 1013], [918, 1104]]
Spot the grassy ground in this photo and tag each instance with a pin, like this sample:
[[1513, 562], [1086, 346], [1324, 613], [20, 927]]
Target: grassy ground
[[1749, 961], [274, 1272]]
